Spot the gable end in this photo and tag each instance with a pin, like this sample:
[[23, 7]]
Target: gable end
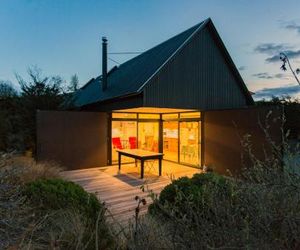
[[200, 76]]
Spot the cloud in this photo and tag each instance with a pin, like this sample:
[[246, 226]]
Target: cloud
[[280, 76], [241, 68], [268, 93], [271, 48], [290, 53], [265, 75], [293, 26]]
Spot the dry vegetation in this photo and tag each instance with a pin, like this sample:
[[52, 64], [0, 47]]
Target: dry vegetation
[[16, 216], [25, 225], [260, 209], [18, 169]]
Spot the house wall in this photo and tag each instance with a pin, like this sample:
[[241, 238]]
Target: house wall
[[223, 132], [73, 139], [201, 76]]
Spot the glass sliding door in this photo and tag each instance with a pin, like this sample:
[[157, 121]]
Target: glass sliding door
[[180, 135], [123, 136], [189, 142], [170, 140], [148, 136]]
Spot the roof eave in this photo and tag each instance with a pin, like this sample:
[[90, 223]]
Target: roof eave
[[118, 98]]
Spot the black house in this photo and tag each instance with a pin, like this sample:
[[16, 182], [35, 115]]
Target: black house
[[178, 98]]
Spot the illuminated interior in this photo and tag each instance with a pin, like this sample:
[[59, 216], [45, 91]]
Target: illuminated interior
[[122, 137], [189, 142], [170, 140], [148, 136], [179, 139]]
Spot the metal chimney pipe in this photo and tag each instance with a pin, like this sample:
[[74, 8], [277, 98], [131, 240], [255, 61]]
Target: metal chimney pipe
[[104, 63]]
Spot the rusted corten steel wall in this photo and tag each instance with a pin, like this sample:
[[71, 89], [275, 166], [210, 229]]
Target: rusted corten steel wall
[[224, 130], [73, 139], [200, 77]]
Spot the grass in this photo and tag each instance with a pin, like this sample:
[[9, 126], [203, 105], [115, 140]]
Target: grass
[[18, 170], [66, 223], [260, 209]]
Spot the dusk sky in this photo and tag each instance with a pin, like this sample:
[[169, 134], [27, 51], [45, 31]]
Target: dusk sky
[[63, 37]]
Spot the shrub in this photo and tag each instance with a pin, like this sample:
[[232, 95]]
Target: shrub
[[41, 213], [257, 210], [168, 194], [189, 192], [54, 194], [58, 199]]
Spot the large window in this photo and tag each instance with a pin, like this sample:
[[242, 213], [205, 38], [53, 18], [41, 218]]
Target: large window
[[123, 136], [181, 138], [170, 140], [148, 136], [189, 143]]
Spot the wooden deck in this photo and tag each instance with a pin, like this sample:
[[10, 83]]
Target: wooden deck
[[118, 190]]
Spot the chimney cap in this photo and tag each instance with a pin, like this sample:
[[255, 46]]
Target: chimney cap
[[104, 39]]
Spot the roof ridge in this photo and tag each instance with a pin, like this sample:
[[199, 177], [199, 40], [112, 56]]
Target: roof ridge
[[172, 37], [134, 58]]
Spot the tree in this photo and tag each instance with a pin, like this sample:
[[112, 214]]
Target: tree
[[74, 83], [38, 93], [7, 90], [285, 61], [11, 130]]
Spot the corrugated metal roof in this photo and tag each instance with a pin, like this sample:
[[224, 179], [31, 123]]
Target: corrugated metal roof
[[131, 76]]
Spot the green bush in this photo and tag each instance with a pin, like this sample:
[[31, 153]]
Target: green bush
[[53, 194], [54, 199], [187, 192]]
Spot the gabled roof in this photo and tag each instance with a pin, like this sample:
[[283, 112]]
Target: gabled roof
[[130, 77]]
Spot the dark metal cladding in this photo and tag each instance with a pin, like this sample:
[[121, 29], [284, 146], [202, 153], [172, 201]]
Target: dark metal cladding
[[201, 76], [224, 131], [73, 139]]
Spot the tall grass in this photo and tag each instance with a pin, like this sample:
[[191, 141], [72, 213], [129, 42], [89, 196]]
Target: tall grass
[[261, 211], [24, 226]]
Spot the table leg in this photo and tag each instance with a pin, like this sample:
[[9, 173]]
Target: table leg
[[159, 166], [142, 169], [119, 160]]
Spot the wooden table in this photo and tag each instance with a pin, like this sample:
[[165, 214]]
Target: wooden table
[[142, 155]]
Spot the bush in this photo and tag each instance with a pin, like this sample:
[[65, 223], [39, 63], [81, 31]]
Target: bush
[[16, 216], [57, 199], [54, 194], [185, 192], [257, 210]]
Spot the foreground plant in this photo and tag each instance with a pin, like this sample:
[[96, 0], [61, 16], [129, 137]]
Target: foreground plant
[[38, 210], [260, 209]]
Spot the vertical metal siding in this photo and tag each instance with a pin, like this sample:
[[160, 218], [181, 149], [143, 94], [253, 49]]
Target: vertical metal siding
[[73, 139], [197, 77], [224, 131]]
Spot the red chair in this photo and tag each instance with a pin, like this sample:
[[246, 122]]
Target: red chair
[[116, 141], [132, 142]]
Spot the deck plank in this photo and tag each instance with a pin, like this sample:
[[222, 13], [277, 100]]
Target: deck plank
[[118, 190]]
